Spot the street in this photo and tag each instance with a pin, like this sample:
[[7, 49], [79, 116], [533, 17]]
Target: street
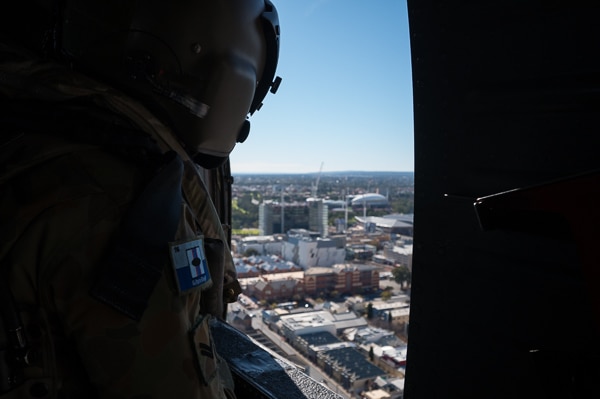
[[313, 371]]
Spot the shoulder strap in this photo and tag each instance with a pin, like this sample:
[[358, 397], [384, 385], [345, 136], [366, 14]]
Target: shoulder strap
[[135, 264]]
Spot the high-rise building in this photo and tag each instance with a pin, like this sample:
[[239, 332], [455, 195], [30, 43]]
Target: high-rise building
[[275, 219], [318, 214]]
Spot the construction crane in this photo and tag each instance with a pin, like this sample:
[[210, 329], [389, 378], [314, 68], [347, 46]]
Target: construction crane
[[315, 186]]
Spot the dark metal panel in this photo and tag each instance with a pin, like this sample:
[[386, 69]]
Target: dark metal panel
[[261, 374], [506, 96]]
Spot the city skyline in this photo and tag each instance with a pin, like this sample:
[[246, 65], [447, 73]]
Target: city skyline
[[345, 102]]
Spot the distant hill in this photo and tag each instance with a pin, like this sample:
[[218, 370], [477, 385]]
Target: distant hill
[[330, 181], [361, 174]]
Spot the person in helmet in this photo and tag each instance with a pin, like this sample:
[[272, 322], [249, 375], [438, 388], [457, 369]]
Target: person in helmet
[[114, 117]]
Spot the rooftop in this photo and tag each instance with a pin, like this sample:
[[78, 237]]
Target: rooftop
[[384, 222], [354, 363], [319, 338]]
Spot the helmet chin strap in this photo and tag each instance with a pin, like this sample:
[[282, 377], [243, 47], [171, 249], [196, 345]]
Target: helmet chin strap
[[196, 108], [142, 67]]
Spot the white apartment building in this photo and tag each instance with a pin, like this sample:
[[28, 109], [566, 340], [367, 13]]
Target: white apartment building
[[311, 252], [263, 245], [401, 252]]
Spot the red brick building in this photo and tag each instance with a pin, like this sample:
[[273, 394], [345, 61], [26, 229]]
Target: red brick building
[[317, 281]]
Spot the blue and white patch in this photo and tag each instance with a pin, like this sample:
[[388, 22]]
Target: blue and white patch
[[189, 263]]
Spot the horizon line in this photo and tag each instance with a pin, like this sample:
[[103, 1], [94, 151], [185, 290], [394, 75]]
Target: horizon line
[[323, 173]]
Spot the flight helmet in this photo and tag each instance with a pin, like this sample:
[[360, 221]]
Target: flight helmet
[[202, 66]]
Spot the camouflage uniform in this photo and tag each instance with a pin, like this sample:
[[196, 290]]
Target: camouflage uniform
[[61, 204]]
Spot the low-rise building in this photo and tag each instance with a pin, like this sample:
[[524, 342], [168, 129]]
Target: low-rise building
[[256, 265], [392, 385], [317, 281], [356, 303], [343, 278], [376, 394], [307, 250], [391, 358], [309, 343], [401, 315], [297, 324], [367, 335], [389, 224], [274, 286], [381, 308], [349, 367], [400, 252], [262, 245], [360, 251]]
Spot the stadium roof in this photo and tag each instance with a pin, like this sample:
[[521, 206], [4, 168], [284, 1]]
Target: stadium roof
[[383, 222], [370, 199]]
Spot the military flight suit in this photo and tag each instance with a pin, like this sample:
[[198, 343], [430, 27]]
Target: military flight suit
[[62, 203]]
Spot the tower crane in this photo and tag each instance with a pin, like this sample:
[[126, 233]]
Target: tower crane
[[315, 186]]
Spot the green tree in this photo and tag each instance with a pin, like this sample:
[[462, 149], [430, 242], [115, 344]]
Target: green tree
[[401, 275], [371, 354], [404, 203], [244, 212], [250, 252], [386, 295], [369, 311]]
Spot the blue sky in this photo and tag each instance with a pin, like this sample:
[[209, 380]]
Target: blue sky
[[346, 96]]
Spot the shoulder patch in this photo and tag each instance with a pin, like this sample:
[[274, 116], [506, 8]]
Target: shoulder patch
[[189, 264]]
